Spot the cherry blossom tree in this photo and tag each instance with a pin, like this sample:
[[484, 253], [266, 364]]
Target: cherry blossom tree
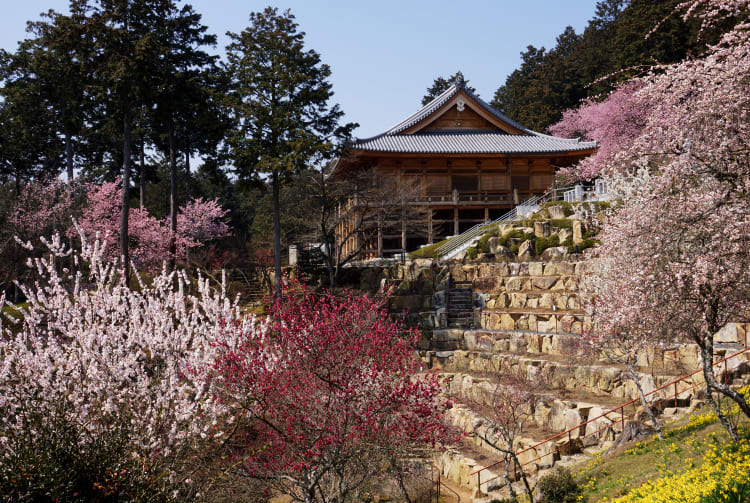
[[341, 404], [39, 209], [614, 122], [198, 221], [675, 257], [95, 397], [511, 409]]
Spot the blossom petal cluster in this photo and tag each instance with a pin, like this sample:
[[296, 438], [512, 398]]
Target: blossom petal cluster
[[111, 364], [198, 221]]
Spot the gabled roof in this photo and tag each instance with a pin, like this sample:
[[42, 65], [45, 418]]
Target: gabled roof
[[510, 137]]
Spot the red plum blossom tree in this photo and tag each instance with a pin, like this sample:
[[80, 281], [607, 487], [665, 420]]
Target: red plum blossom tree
[[342, 404]]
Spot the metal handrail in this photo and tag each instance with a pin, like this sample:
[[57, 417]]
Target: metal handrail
[[458, 243], [620, 408]]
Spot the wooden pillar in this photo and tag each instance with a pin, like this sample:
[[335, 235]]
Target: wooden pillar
[[510, 178], [403, 235], [380, 241], [429, 227], [486, 214], [455, 221]]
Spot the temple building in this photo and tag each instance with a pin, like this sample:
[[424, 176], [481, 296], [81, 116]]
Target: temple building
[[470, 163]]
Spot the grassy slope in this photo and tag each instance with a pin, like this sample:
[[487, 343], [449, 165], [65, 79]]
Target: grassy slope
[[686, 443]]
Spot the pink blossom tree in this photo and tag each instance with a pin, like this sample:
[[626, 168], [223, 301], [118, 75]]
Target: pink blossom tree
[[198, 221], [41, 208], [614, 122], [674, 258], [95, 398], [342, 402]]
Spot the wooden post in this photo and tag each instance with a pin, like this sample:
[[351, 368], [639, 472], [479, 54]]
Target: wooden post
[[726, 374], [570, 445], [455, 222], [380, 240], [403, 236], [430, 237]]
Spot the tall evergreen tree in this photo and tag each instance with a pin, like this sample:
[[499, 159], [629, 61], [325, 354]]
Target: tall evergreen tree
[[181, 37], [617, 44], [127, 65], [279, 100], [439, 86], [29, 146], [60, 54]]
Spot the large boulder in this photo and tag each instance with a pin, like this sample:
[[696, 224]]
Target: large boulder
[[526, 251], [501, 252], [577, 232], [541, 229], [564, 234], [556, 211], [554, 254], [504, 254]]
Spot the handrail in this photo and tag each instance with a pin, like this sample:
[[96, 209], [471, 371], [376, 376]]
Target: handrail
[[458, 243], [620, 408]]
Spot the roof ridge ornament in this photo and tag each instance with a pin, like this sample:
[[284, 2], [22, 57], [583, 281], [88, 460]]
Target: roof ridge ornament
[[458, 81]]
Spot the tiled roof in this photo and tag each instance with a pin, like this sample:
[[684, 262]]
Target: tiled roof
[[465, 141], [471, 142]]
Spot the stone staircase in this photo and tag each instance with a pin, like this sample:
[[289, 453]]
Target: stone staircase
[[531, 318], [460, 308]]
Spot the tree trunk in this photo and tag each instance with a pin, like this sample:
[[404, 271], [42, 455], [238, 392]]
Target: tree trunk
[[707, 355], [644, 403], [511, 490], [187, 193], [125, 206], [276, 235], [142, 174], [69, 156], [529, 490], [187, 174], [172, 200]]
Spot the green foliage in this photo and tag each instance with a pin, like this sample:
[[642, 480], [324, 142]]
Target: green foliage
[[429, 251], [542, 243], [559, 487], [439, 86], [49, 465], [483, 245], [561, 223], [583, 245], [472, 253], [614, 43]]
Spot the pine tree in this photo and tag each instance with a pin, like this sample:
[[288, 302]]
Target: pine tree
[[279, 100], [439, 86], [181, 37], [127, 65]]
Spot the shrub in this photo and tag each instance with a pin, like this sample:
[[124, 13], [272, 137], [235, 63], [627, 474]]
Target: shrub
[[561, 223], [95, 403], [542, 243], [583, 245], [332, 395], [472, 253], [559, 487], [483, 245]]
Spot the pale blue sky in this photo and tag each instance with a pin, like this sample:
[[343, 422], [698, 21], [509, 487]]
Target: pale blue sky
[[385, 53]]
